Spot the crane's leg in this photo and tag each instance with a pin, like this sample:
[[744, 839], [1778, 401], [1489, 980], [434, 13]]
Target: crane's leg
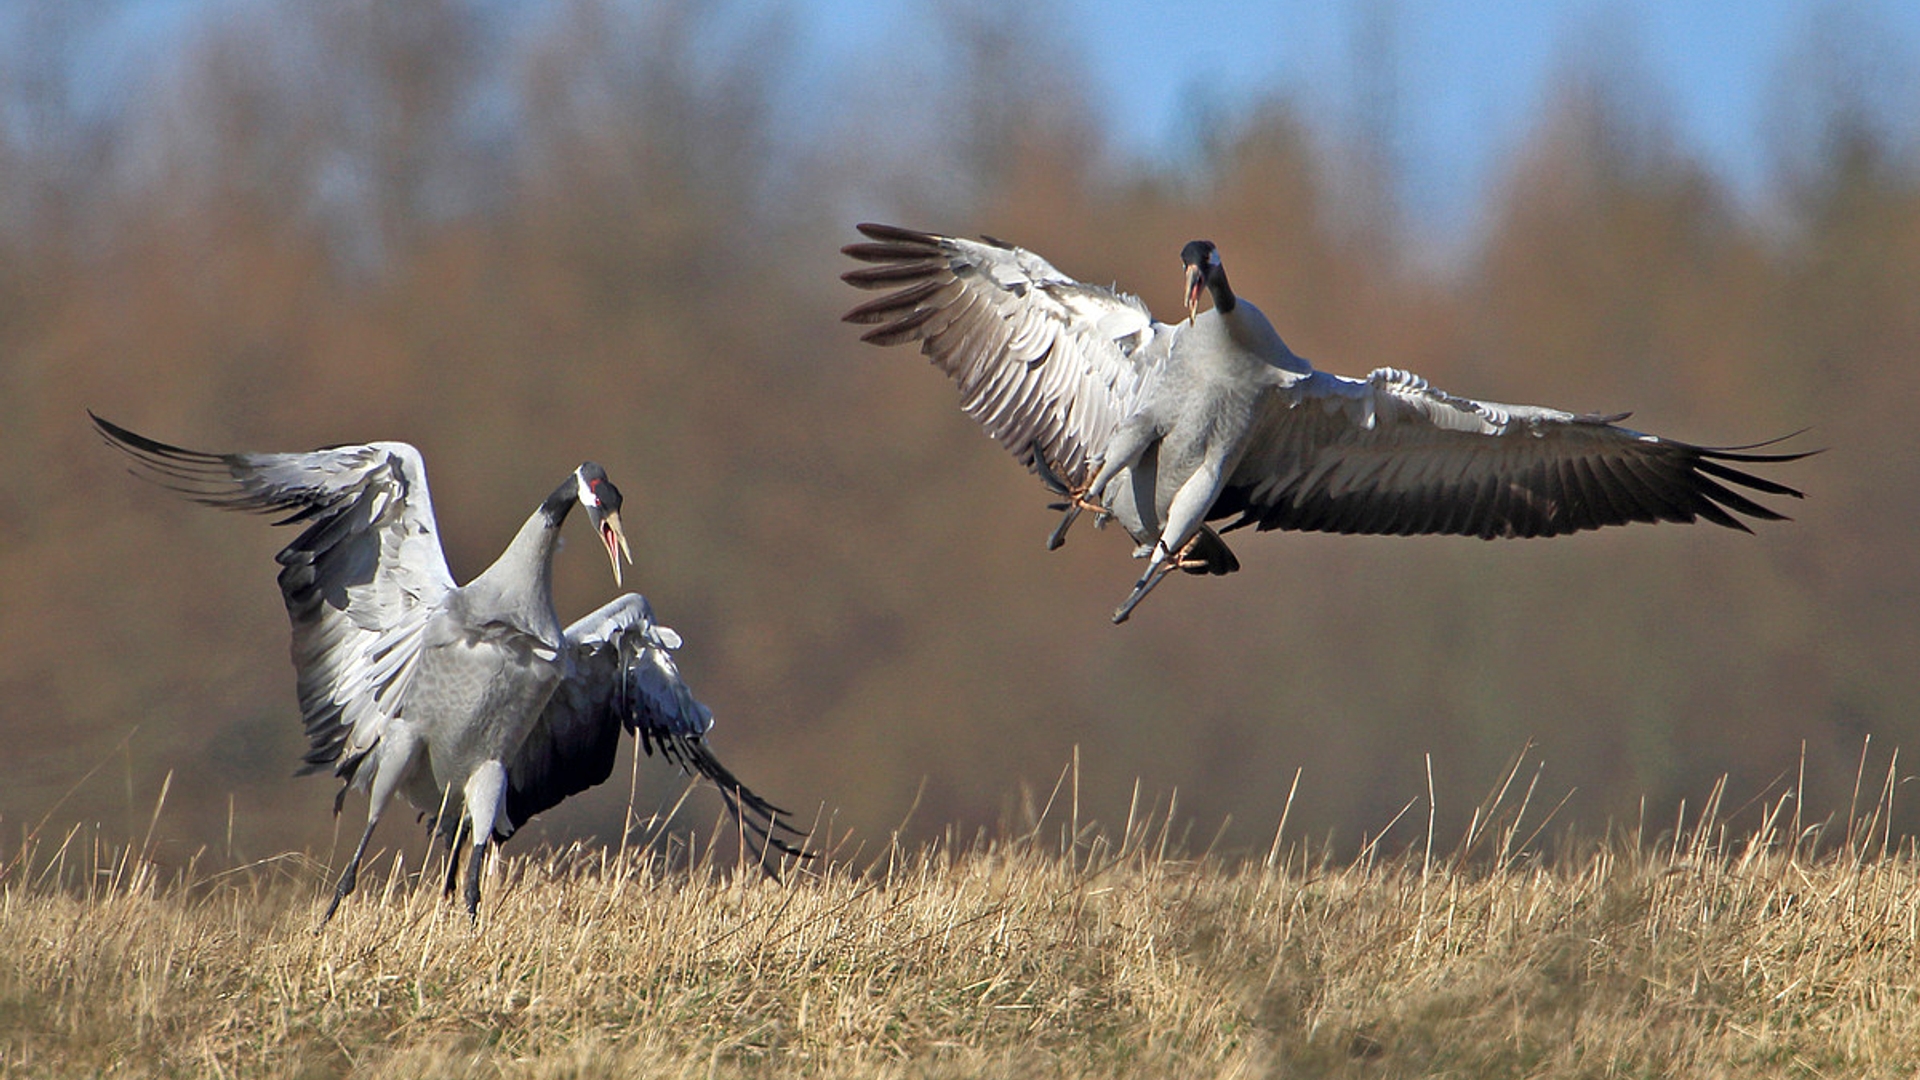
[[454, 838], [472, 895], [1162, 565], [486, 789], [393, 760], [1075, 501], [1184, 517], [352, 874], [1122, 452]]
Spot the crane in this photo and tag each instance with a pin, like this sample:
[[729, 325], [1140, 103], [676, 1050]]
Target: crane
[[470, 700], [1168, 427]]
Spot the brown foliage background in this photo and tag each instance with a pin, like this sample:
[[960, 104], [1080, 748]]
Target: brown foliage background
[[606, 234]]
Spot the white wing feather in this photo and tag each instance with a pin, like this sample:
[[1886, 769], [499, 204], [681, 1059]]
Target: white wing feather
[[1043, 362]]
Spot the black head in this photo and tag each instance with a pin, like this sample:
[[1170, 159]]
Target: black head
[[602, 501], [1200, 253], [596, 491], [1204, 272]]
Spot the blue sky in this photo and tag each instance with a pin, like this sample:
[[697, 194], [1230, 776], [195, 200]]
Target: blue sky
[[1467, 77]]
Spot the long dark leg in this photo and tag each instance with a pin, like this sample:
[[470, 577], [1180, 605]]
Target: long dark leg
[[390, 766], [352, 875], [474, 862], [486, 789], [453, 853], [1157, 571], [1074, 501]]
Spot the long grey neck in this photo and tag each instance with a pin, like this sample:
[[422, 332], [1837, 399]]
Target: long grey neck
[[520, 581]]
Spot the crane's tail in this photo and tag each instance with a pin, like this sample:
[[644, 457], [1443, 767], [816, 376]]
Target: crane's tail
[[761, 826]]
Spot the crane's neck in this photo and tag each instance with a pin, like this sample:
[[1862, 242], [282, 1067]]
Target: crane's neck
[[520, 581], [1223, 299], [1241, 344]]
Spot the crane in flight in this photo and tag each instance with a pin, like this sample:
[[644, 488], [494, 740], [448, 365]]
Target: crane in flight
[[1169, 427]]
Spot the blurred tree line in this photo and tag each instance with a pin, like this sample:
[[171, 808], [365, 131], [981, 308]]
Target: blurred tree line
[[601, 231]]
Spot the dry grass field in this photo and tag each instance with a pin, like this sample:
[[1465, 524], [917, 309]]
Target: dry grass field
[[1779, 949]]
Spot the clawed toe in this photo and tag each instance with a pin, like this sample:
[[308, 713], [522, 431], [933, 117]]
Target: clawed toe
[[1073, 501], [1157, 571]]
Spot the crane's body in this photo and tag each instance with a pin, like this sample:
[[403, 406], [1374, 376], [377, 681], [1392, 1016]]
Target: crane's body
[[1190, 431], [1165, 427], [448, 695]]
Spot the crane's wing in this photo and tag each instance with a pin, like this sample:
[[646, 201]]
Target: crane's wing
[[1390, 454], [361, 581], [623, 676], [1044, 363]]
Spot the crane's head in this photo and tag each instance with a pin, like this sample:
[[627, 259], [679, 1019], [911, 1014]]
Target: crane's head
[[602, 501], [1204, 272]]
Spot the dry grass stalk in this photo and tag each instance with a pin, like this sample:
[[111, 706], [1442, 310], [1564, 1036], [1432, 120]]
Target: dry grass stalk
[[1698, 953]]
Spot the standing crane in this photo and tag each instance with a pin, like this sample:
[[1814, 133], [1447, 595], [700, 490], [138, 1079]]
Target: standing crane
[[470, 700], [1165, 427]]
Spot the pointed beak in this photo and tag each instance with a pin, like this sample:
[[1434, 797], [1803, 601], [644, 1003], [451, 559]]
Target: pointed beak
[[1196, 284], [615, 538]]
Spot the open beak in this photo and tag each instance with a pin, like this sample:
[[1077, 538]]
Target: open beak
[[1196, 284], [615, 538]]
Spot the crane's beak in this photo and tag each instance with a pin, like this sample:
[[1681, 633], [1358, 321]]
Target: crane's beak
[[615, 538], [1196, 284]]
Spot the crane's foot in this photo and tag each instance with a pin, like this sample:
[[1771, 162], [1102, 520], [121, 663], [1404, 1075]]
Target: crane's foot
[[341, 891], [1157, 571], [1073, 502], [1187, 560], [1155, 575], [1059, 534], [1078, 502]]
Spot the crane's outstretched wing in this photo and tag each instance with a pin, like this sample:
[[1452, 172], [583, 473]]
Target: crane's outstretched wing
[[1391, 455], [1044, 363], [623, 676], [361, 581]]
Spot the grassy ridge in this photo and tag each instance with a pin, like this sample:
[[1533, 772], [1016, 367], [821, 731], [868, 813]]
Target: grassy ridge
[[1702, 955]]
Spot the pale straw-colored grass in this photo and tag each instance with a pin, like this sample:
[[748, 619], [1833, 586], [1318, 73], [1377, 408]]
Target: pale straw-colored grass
[[1054, 952]]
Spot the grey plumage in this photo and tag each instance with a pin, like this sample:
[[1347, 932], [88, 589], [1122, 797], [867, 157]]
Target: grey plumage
[[471, 701], [623, 676], [1167, 427]]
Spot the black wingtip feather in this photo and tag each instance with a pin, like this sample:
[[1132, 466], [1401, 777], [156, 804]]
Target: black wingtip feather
[[876, 231], [879, 309], [1725, 496], [142, 447], [1710, 463], [891, 253], [901, 329], [204, 477], [892, 273], [1740, 452], [759, 818]]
